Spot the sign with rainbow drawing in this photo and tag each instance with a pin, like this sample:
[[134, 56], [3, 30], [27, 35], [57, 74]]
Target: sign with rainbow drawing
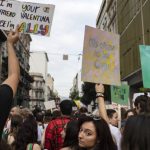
[[33, 18], [101, 63]]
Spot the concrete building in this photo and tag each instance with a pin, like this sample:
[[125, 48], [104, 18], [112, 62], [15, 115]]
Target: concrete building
[[107, 17], [134, 29], [50, 82], [77, 84], [130, 19], [50, 86], [39, 64], [22, 51], [37, 91]]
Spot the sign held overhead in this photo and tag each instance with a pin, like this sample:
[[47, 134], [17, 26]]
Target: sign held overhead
[[101, 58], [33, 18]]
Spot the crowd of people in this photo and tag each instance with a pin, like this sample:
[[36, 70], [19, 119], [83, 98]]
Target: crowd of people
[[64, 129]]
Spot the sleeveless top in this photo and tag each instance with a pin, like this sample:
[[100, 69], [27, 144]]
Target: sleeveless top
[[30, 146]]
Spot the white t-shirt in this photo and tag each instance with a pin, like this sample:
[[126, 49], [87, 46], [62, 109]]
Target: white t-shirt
[[40, 132], [116, 135]]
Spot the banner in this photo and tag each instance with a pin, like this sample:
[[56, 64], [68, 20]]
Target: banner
[[33, 18], [120, 94], [145, 64], [101, 58]]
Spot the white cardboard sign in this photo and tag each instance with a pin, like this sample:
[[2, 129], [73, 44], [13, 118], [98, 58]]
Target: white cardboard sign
[[33, 18], [49, 105]]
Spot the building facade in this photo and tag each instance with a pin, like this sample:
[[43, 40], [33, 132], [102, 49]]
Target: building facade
[[38, 64], [50, 85], [107, 16], [77, 84], [22, 49], [130, 19], [37, 91], [134, 30]]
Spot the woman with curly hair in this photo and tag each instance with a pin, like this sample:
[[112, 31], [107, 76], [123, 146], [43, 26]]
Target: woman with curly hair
[[27, 135]]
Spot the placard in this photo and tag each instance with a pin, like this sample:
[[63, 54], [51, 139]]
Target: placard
[[120, 94], [50, 104], [33, 18], [145, 64], [101, 58]]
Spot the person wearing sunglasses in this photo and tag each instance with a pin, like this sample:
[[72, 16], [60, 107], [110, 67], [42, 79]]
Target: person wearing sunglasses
[[94, 133]]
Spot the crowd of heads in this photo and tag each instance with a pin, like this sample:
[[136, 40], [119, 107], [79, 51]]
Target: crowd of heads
[[83, 131]]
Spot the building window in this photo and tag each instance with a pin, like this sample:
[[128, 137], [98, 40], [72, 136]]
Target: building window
[[36, 84], [36, 94], [40, 83]]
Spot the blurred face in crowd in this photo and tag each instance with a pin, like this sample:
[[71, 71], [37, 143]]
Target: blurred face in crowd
[[15, 111], [138, 109], [129, 114], [87, 135], [114, 120], [63, 132]]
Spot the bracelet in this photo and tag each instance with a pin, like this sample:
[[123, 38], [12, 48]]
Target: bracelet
[[99, 95], [100, 92]]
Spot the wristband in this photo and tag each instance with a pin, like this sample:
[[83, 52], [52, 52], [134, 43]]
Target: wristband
[[100, 92], [99, 95]]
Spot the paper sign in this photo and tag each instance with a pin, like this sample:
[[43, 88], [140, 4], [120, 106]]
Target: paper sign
[[50, 104], [33, 18], [100, 62], [120, 94], [145, 64]]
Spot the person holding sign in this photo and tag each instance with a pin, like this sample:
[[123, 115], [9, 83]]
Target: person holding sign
[[9, 87], [99, 88], [94, 132]]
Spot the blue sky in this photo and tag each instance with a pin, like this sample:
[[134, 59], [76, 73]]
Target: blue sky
[[66, 37]]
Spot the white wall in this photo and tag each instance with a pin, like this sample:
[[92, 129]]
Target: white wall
[[38, 64]]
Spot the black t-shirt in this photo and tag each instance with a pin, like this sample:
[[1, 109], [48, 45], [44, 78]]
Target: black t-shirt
[[6, 96]]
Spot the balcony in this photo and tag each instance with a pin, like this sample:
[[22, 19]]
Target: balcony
[[37, 88]]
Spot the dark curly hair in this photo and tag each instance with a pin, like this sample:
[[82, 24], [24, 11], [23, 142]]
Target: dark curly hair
[[27, 133]]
